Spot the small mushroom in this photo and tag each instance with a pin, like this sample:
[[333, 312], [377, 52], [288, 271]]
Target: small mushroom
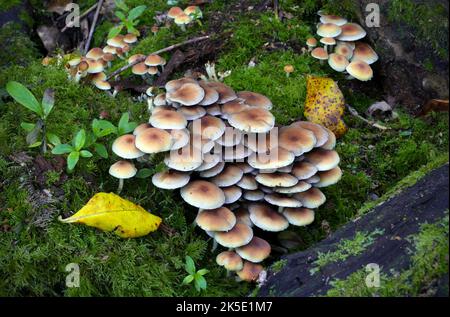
[[299, 216], [312, 198], [288, 69], [256, 251], [170, 179], [230, 260], [250, 272], [203, 194], [266, 218], [360, 70], [124, 147], [122, 170]]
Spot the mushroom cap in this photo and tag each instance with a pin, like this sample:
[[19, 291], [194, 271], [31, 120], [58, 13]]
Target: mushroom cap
[[313, 179], [231, 175], [122, 170], [255, 120], [296, 139], [153, 140], [301, 186], [329, 178], [124, 146], [233, 106], [303, 170], [256, 251], [185, 159], [328, 41], [192, 112], [101, 84], [226, 93], [236, 153], [319, 53], [116, 41], [232, 194], [191, 9], [170, 179], [154, 60], [109, 49], [245, 167], [282, 201], [255, 99], [248, 182], [364, 52], [240, 235], [250, 272], [213, 171], [266, 189], [183, 18], [276, 179], [139, 69], [160, 100], [329, 30], [253, 195], [152, 70], [211, 95], [208, 127], [141, 127], [203, 194], [338, 62], [261, 142], [108, 57], [334, 19], [180, 138], [286, 169], [323, 160], [331, 142], [275, 158], [351, 32], [344, 49], [360, 70], [174, 12], [95, 66], [299, 216], [231, 137], [242, 215], [130, 38], [188, 94], [230, 260], [312, 198], [319, 131], [220, 219], [95, 53], [213, 110], [288, 68], [209, 161], [311, 42], [266, 218], [175, 84], [167, 119]]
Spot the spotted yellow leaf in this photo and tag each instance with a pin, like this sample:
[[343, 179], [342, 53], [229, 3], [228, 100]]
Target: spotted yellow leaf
[[109, 212], [325, 104]]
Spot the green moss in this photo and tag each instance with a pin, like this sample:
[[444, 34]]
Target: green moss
[[278, 265], [345, 249], [428, 263], [6, 5]]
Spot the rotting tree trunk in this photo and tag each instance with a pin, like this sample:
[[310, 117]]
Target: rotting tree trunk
[[401, 216]]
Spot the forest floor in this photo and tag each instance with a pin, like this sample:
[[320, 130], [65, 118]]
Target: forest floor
[[34, 190]]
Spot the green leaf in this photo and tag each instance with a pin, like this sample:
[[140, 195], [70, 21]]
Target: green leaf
[[90, 139], [115, 31], [27, 126], [120, 15], [33, 136], [85, 153], [62, 149], [53, 139], [121, 5], [79, 140], [102, 128], [48, 101], [188, 279], [22, 95], [190, 265], [200, 281], [203, 271], [101, 150], [144, 173], [136, 12], [72, 159], [36, 144]]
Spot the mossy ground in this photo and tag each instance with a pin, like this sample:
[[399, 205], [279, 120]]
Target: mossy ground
[[32, 260]]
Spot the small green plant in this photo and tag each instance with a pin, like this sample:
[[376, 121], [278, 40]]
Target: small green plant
[[195, 276], [128, 18], [75, 150], [37, 132]]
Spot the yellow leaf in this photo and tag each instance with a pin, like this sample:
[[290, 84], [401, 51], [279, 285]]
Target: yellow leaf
[[325, 104], [110, 212]]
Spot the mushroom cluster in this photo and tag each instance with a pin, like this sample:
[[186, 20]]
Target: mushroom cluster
[[227, 157], [97, 60], [342, 47], [184, 17]]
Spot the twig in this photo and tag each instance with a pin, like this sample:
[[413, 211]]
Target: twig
[[275, 9], [167, 49], [355, 113], [69, 25], [94, 22]]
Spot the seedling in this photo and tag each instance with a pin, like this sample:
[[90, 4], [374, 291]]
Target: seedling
[[195, 276], [75, 150], [128, 19]]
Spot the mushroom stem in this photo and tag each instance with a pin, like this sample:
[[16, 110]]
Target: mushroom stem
[[214, 247], [280, 209], [228, 273], [183, 27], [119, 189], [326, 48]]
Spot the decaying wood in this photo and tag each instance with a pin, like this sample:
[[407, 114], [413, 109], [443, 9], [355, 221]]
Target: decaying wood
[[355, 113], [175, 60], [434, 105]]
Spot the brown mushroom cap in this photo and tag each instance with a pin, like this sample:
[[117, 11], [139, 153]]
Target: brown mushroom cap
[[220, 219], [329, 30], [167, 119], [231, 137], [233, 106], [282, 200], [182, 18], [301, 186], [130, 38], [273, 159], [185, 159], [232, 194], [319, 132], [192, 112], [175, 84], [360, 70], [208, 127], [255, 99], [261, 142], [101, 84], [338, 62], [153, 140], [180, 138], [242, 215], [303, 170], [109, 49], [328, 41], [122, 170], [253, 195], [297, 140], [245, 167], [299, 216], [231, 175], [141, 127], [319, 53], [276, 179], [139, 69], [240, 235], [313, 179], [226, 93], [250, 272], [230, 260], [95, 53], [211, 95], [344, 49], [329, 178], [213, 110], [331, 142], [170, 179], [174, 12], [203, 194], [351, 32], [256, 251], [323, 160], [124, 146], [236, 153], [248, 182], [266, 218], [256, 120], [116, 41], [188, 94], [364, 52], [209, 161], [160, 100], [334, 19], [311, 42], [312, 198]]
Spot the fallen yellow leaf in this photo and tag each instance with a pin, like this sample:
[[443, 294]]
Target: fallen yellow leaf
[[325, 104], [110, 212]]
